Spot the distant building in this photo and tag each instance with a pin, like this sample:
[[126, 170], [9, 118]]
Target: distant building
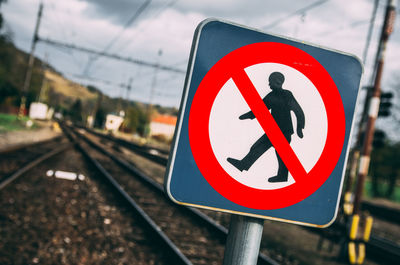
[[90, 121], [39, 111], [163, 125], [113, 122]]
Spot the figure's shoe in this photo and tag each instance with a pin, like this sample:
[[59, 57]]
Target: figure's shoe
[[236, 163], [278, 179]]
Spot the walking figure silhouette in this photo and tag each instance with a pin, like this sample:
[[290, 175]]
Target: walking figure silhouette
[[280, 101]]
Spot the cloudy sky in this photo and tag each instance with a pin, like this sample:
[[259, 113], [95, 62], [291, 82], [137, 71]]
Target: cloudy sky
[[162, 31]]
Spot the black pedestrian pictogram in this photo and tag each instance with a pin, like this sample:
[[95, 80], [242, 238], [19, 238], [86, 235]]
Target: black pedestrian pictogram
[[280, 102]]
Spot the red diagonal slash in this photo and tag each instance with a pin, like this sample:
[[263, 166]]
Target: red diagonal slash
[[268, 124]]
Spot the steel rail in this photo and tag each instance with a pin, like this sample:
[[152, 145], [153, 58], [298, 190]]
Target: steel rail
[[123, 141], [386, 250], [220, 230], [178, 256], [32, 164], [383, 212], [138, 149], [377, 245], [381, 248]]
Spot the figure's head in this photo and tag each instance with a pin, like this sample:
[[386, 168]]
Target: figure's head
[[276, 80]]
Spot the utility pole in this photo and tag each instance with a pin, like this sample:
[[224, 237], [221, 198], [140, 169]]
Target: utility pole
[[153, 86], [371, 28], [28, 76], [96, 108], [128, 89], [374, 103], [355, 154], [43, 87]]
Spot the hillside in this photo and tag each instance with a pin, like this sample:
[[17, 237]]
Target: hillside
[[68, 88], [50, 87], [55, 90]]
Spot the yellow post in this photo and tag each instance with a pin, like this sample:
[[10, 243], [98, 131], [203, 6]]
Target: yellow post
[[352, 252], [368, 228], [354, 226], [361, 253], [348, 205]]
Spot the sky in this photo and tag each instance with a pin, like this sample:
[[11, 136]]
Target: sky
[[162, 32]]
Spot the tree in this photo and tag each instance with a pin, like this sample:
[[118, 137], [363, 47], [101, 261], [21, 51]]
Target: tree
[[385, 169], [1, 17], [93, 89], [3, 37], [131, 121], [136, 120], [76, 111], [100, 118]]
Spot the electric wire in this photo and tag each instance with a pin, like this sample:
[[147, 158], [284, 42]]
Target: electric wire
[[168, 5], [132, 19], [299, 11]]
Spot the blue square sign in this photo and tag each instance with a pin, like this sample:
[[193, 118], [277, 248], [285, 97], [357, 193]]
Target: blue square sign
[[264, 126]]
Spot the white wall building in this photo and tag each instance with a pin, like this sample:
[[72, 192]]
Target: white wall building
[[38, 111], [113, 122], [163, 125]]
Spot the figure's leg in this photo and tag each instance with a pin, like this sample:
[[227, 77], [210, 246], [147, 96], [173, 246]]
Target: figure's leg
[[283, 172], [256, 150]]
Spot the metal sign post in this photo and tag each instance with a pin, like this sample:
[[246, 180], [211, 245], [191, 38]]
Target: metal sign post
[[244, 238]]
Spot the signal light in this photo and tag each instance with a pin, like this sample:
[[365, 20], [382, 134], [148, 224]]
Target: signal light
[[385, 104], [379, 139]]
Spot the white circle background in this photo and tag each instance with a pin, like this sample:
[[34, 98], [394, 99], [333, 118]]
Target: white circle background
[[231, 137]]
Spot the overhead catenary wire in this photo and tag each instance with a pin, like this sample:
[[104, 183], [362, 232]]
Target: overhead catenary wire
[[95, 79], [343, 27], [370, 30], [297, 12], [113, 56], [168, 5], [115, 39], [123, 85], [132, 19], [58, 23]]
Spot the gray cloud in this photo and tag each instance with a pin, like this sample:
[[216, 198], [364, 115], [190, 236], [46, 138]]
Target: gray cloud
[[94, 23], [118, 11]]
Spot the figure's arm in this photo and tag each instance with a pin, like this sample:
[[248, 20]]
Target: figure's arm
[[247, 115], [250, 114], [299, 115]]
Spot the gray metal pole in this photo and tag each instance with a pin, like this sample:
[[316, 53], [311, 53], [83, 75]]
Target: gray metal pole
[[244, 238], [28, 75]]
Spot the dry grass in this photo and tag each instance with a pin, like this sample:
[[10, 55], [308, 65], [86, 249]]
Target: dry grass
[[68, 88]]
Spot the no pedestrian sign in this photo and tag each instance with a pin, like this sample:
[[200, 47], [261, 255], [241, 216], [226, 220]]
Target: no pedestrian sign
[[264, 126]]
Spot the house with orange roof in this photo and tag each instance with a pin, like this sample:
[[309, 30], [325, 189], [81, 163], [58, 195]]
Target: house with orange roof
[[163, 125]]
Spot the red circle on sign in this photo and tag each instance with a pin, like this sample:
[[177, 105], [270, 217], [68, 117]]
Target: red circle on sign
[[215, 79]]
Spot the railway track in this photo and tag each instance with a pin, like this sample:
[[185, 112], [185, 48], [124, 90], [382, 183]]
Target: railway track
[[16, 161], [14, 158], [384, 212], [45, 220], [379, 211], [379, 247], [157, 155], [199, 238]]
